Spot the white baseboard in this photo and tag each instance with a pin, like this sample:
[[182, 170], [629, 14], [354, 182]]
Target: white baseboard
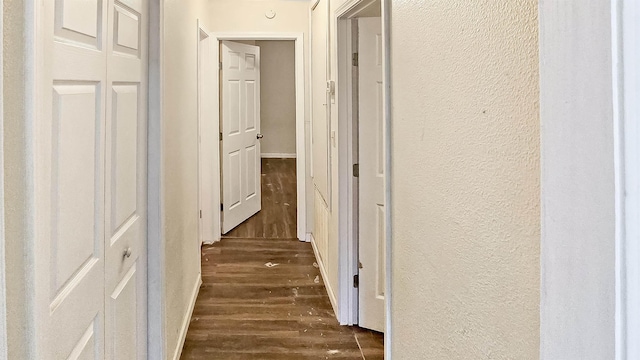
[[187, 319], [325, 278], [278, 156], [211, 242], [308, 237]]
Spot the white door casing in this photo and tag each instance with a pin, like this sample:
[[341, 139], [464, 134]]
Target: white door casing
[[241, 179], [90, 180], [371, 135], [209, 149]]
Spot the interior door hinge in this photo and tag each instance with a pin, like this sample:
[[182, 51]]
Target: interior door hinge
[[200, 214], [354, 59], [220, 65], [356, 170], [356, 281], [220, 136], [221, 207]]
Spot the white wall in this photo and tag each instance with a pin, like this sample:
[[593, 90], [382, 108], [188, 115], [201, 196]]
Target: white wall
[[180, 163], [3, 288], [578, 216], [465, 180], [277, 97], [17, 206]]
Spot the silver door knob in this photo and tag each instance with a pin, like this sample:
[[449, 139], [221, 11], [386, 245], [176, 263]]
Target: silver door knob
[[127, 253], [259, 136]]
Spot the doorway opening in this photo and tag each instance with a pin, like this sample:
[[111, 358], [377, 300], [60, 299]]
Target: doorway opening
[[231, 193], [267, 76], [363, 121]]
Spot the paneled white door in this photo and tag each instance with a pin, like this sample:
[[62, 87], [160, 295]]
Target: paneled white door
[[90, 180], [371, 185], [241, 182], [126, 180]]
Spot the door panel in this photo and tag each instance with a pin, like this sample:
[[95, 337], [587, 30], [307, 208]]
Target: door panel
[[69, 150], [126, 163], [123, 317], [90, 181], [241, 183], [371, 181]]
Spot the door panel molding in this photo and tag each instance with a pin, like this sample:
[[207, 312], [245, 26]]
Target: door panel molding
[[89, 179]]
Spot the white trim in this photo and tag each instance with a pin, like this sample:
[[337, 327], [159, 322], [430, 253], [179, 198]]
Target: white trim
[[388, 176], [325, 277], [626, 89], [352, 8], [278, 156], [199, 112], [347, 184], [187, 319], [208, 238], [156, 341], [300, 107], [310, 90]]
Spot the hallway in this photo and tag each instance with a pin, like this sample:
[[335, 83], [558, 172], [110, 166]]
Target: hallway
[[262, 295]]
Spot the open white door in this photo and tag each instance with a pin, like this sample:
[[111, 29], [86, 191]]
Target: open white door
[[241, 186], [90, 180], [371, 186]]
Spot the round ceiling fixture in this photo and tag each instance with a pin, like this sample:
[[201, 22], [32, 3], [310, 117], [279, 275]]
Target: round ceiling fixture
[[270, 14]]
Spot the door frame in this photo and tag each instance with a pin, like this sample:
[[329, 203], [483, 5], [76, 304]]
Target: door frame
[[347, 157], [156, 344], [215, 236], [301, 167], [626, 115]]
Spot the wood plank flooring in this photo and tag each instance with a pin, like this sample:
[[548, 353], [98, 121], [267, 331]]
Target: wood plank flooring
[[263, 297], [277, 219]]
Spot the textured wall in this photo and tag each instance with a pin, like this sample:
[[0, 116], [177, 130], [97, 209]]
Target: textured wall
[[277, 97], [17, 204], [465, 180], [180, 161], [577, 317]]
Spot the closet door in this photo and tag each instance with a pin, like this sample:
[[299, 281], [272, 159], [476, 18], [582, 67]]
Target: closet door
[[126, 180], [90, 180], [69, 176]]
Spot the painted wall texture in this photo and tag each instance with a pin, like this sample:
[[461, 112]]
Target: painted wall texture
[[180, 185], [17, 198], [180, 162], [465, 180], [577, 310], [277, 97]]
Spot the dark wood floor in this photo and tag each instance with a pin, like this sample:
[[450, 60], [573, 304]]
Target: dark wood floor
[[264, 297], [277, 219]]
